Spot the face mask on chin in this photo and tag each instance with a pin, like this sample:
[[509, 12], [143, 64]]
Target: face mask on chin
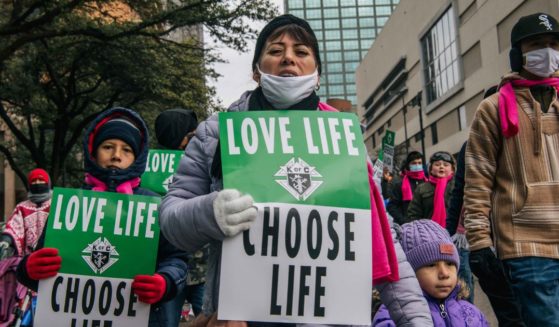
[[283, 92], [541, 62]]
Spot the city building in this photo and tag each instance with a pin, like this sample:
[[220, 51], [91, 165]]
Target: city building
[[345, 30], [427, 72]]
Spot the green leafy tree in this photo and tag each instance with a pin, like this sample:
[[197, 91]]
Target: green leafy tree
[[64, 62]]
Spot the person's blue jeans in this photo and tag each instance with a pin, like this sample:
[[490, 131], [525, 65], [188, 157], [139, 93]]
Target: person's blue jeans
[[535, 281], [167, 314], [195, 296], [465, 272]]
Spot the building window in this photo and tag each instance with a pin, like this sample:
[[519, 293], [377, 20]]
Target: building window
[[350, 34], [297, 12], [368, 33], [332, 34], [462, 120], [331, 13], [349, 12], [337, 89], [440, 60], [334, 56], [313, 3], [366, 22], [351, 44], [335, 78], [349, 23], [434, 136], [334, 68], [333, 45], [296, 4], [313, 13], [329, 3], [315, 24], [350, 66], [383, 10], [366, 11], [331, 23]]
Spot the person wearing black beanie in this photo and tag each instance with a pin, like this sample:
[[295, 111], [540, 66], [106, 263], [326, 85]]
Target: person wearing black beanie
[[174, 128], [511, 185], [197, 210], [281, 21]]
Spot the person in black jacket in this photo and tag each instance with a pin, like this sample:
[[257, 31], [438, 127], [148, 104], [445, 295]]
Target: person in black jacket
[[115, 156], [412, 174]]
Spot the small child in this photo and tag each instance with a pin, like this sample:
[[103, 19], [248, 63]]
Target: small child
[[433, 256]]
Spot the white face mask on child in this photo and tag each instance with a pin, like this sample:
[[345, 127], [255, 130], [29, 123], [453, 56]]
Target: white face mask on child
[[283, 92], [542, 62]]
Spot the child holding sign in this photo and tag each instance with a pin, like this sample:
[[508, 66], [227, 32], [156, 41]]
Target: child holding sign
[[435, 260], [115, 154]]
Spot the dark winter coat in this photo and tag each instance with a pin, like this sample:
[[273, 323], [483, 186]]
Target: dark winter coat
[[397, 207], [421, 206]]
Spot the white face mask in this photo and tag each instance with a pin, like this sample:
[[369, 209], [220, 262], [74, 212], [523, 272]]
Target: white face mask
[[283, 92], [542, 62]]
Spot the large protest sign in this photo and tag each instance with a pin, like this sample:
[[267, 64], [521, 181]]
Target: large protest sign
[[104, 239], [160, 168], [307, 258]]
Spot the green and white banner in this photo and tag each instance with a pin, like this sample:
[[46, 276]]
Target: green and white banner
[[104, 239], [160, 168], [385, 157], [307, 258]]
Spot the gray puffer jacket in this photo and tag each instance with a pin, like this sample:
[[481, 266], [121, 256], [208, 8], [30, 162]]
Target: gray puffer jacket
[[187, 220]]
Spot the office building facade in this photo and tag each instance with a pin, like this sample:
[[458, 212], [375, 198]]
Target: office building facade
[[345, 30], [428, 70]]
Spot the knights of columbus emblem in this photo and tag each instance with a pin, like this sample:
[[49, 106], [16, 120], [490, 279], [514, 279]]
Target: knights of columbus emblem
[[300, 178], [100, 255]]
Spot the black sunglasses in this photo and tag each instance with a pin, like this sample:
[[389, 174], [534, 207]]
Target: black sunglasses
[[444, 156]]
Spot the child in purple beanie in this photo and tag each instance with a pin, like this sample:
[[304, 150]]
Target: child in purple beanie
[[435, 260]]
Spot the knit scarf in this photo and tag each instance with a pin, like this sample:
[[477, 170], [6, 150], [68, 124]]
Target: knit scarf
[[439, 209], [125, 188], [407, 194], [508, 113]]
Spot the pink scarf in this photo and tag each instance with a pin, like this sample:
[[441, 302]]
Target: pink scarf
[[124, 188], [407, 194], [385, 263], [508, 113], [439, 208]]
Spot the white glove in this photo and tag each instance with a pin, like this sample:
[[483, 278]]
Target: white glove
[[234, 212]]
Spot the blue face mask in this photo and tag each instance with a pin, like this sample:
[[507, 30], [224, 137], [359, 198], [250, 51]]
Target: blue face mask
[[415, 168]]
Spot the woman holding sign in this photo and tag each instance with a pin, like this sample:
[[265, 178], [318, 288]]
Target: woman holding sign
[[115, 155], [197, 211]]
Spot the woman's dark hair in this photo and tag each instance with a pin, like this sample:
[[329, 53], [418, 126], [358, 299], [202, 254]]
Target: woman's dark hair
[[414, 155], [300, 35], [297, 28]]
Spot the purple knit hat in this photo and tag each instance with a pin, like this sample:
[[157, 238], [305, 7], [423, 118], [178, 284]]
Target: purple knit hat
[[424, 242]]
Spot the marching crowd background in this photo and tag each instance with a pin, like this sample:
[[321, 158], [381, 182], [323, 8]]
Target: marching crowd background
[[493, 211]]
